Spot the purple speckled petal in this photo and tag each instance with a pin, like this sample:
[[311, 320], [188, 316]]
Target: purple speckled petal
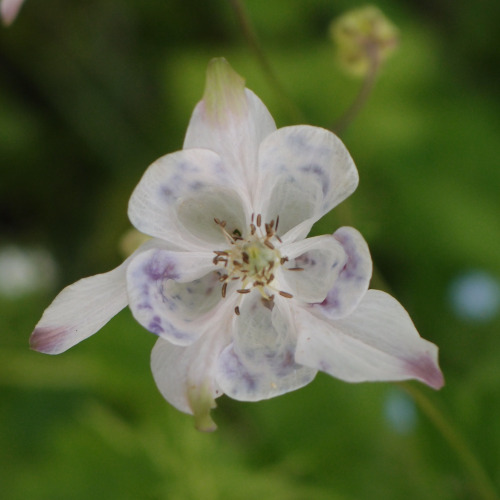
[[82, 308], [376, 342], [179, 196], [231, 121], [259, 363], [352, 283], [169, 293], [313, 266], [304, 172]]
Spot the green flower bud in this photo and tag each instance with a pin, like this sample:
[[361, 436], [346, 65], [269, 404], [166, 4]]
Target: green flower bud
[[365, 38]]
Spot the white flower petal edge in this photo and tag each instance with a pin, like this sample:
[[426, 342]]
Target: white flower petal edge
[[304, 172], [178, 195], [354, 278], [312, 267], [376, 342], [185, 376], [169, 291], [83, 308], [232, 121], [259, 363]]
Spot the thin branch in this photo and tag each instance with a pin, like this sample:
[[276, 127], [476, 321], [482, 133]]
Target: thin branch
[[253, 42], [360, 100], [476, 471]]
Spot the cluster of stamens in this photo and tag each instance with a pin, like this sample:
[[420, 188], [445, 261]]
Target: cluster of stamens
[[252, 259]]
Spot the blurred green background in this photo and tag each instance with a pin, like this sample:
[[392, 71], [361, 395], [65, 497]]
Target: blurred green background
[[91, 93]]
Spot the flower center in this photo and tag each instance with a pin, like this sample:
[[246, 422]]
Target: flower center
[[252, 260]]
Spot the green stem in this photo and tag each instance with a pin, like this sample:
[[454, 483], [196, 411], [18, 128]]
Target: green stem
[[360, 100], [253, 41], [476, 471]]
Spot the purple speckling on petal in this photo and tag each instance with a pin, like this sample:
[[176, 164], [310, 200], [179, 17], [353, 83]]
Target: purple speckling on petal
[[196, 185], [287, 364], [155, 326], [320, 173], [236, 371], [160, 267]]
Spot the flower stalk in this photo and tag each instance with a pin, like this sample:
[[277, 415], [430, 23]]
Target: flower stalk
[[295, 114], [456, 441]]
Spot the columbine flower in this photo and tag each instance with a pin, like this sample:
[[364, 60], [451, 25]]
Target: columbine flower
[[241, 302], [9, 10]]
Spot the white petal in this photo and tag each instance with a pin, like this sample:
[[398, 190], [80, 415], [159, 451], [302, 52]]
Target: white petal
[[82, 308], [303, 173], [169, 293], [354, 279], [179, 196], [185, 376], [230, 120], [378, 341], [260, 363], [320, 260]]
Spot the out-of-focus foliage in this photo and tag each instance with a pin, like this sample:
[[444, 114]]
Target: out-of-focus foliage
[[91, 93]]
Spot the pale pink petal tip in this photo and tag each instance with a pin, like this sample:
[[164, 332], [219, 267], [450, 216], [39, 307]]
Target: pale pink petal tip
[[49, 340], [427, 371], [9, 10]]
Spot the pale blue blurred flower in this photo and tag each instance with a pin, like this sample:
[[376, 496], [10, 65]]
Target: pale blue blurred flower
[[400, 412], [475, 295]]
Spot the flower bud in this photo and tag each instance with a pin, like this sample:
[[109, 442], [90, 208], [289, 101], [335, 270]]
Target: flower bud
[[365, 38]]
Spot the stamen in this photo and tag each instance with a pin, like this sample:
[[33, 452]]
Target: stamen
[[250, 259], [295, 269], [277, 221], [278, 238], [237, 310]]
